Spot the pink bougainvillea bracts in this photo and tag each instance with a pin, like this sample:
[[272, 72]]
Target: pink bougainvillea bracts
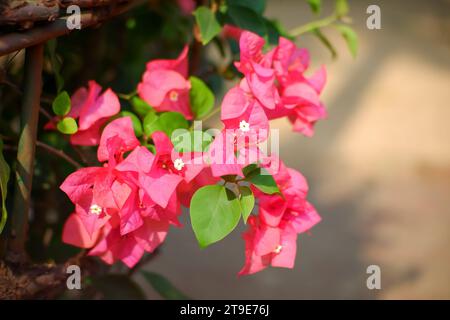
[[277, 80], [165, 86], [125, 206], [114, 215], [272, 236], [92, 109]]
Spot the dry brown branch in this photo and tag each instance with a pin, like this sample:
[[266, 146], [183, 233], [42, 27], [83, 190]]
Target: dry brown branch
[[18, 40]]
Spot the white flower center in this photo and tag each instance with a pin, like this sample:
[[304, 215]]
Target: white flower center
[[178, 164], [244, 126], [278, 249], [173, 96], [95, 209]]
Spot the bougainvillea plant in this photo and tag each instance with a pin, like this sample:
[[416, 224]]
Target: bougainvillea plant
[[153, 156]]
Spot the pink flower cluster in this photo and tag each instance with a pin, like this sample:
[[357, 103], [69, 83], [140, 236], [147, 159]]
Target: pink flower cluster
[[271, 239], [275, 82], [125, 207]]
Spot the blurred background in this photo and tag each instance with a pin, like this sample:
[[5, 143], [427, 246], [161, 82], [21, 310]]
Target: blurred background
[[378, 169]]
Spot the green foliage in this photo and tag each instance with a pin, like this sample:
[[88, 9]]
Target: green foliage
[[191, 141], [215, 212], [341, 8], [201, 97], [67, 125], [261, 179], [56, 64], [246, 18], [350, 38], [61, 105], [170, 121], [258, 6], [163, 286], [325, 42], [247, 201], [151, 123], [167, 122], [140, 106], [315, 5], [207, 23], [336, 19], [118, 287], [4, 179]]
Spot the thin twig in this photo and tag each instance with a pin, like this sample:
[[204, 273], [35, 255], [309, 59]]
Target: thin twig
[[209, 115], [314, 25], [59, 153], [46, 114]]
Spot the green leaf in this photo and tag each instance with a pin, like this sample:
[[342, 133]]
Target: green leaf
[[315, 5], [140, 106], [5, 172], [163, 286], [67, 125], [250, 169], [263, 180], [151, 123], [61, 104], [275, 30], [56, 65], [137, 125], [118, 287], [215, 212], [259, 6], [201, 97], [167, 122], [247, 19], [341, 8], [208, 24], [247, 201], [170, 121], [192, 141], [325, 42], [350, 37]]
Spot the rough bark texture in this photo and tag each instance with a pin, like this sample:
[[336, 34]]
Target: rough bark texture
[[23, 14], [40, 281], [16, 40]]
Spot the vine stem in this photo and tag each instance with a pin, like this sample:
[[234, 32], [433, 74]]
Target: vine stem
[[127, 96], [325, 22], [209, 115], [26, 150], [59, 153]]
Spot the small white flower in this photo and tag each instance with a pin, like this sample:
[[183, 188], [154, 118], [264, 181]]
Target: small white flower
[[95, 209], [278, 249], [244, 126], [178, 164], [173, 96]]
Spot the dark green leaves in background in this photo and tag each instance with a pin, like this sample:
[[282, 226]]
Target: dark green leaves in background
[[207, 23], [315, 5], [4, 178], [201, 97], [261, 179], [350, 38], [163, 286]]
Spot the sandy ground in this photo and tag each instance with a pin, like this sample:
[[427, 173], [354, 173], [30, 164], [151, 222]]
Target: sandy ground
[[379, 170]]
